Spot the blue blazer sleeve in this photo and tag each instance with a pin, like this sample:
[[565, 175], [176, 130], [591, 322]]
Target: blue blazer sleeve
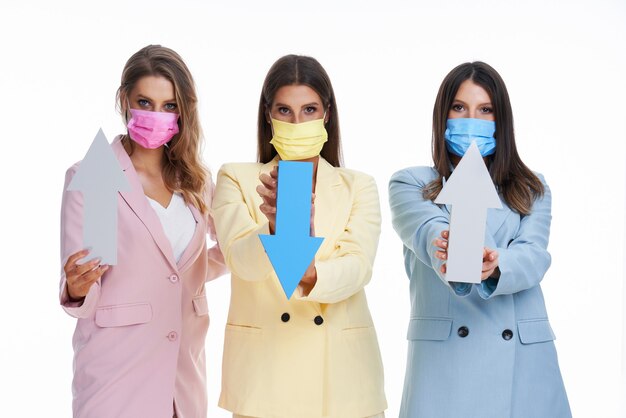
[[525, 260], [418, 221]]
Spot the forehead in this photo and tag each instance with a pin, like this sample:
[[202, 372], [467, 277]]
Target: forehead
[[296, 95], [469, 90], [154, 87]]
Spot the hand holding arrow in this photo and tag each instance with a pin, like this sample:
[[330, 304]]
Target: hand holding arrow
[[471, 192], [99, 178], [291, 249]]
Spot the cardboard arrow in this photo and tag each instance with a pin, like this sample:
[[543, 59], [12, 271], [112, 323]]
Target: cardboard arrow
[[99, 178], [292, 248], [470, 191]]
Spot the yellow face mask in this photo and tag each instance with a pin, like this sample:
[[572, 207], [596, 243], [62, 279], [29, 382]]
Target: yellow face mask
[[298, 141]]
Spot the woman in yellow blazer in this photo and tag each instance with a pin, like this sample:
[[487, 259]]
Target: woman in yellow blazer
[[315, 355]]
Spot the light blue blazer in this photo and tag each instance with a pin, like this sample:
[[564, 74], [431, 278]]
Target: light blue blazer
[[484, 350]]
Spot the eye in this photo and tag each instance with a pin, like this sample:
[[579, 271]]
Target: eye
[[283, 110], [457, 107], [310, 110], [486, 109], [170, 106], [143, 102]]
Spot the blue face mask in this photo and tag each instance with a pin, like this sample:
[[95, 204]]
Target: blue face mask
[[461, 132]]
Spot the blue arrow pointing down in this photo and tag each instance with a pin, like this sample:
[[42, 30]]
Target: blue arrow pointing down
[[292, 248]]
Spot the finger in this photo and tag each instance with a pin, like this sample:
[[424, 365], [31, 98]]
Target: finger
[[81, 288], [494, 256], [268, 181], [77, 277], [439, 243], [268, 197], [490, 264], [489, 267], [74, 275], [442, 255], [89, 278], [490, 255], [81, 269], [445, 234], [268, 201], [274, 173], [264, 192], [71, 261], [267, 209], [443, 269]]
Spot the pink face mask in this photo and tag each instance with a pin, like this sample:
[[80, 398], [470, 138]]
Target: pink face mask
[[152, 129]]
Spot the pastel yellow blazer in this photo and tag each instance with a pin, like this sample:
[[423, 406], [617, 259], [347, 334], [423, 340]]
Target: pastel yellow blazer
[[307, 357]]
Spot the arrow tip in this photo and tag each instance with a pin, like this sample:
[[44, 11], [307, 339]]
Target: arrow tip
[[290, 256], [99, 169], [470, 182]]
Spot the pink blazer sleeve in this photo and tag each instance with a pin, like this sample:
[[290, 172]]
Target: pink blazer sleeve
[[71, 242], [217, 266]]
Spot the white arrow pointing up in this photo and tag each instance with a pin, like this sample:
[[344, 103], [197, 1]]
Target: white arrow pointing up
[[470, 191], [99, 178]]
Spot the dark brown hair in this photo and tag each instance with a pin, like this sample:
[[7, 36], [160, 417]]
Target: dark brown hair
[[182, 167], [516, 183], [299, 70]]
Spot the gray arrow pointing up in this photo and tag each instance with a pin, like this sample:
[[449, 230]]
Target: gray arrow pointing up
[[99, 178], [471, 192]]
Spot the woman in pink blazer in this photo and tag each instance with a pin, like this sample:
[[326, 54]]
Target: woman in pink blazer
[[139, 339]]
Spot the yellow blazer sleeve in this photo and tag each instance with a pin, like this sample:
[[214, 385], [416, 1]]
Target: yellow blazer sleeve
[[216, 266], [349, 268], [237, 230]]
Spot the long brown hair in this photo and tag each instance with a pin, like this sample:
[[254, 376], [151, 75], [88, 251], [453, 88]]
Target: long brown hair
[[299, 70], [182, 168], [516, 183]]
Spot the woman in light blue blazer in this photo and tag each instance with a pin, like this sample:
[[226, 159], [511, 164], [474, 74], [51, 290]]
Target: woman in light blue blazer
[[477, 350]]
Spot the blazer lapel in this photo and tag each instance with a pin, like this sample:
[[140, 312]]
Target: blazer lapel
[[327, 202], [496, 217], [194, 248], [139, 204]]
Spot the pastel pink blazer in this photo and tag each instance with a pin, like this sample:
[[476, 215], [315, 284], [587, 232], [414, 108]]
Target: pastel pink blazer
[[139, 339]]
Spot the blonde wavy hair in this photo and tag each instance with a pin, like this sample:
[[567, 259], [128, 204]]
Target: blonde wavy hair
[[183, 171]]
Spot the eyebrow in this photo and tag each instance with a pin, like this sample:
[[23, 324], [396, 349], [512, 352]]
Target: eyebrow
[[305, 105], [143, 96], [462, 102]]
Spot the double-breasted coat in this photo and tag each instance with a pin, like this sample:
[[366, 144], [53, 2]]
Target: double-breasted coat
[[310, 356], [484, 350]]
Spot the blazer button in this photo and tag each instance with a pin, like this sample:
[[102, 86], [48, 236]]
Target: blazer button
[[318, 320], [507, 334], [173, 278], [172, 336], [463, 331], [285, 317]]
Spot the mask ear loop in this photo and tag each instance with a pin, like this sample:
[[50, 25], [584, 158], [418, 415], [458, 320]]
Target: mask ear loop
[[127, 118], [327, 112], [269, 115], [127, 114]]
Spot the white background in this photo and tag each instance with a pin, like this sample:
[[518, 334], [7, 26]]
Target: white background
[[564, 64]]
